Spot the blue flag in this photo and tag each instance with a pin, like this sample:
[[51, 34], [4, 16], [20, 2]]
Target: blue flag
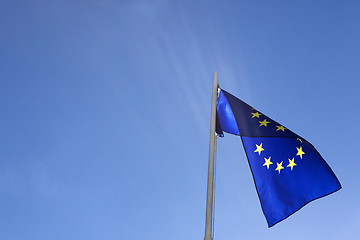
[[287, 170]]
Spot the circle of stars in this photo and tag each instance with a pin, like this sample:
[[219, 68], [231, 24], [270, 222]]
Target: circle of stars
[[259, 148]]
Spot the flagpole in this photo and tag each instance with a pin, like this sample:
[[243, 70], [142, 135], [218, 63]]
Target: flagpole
[[210, 183]]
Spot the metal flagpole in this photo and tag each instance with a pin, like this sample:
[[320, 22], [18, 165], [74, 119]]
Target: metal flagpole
[[210, 183]]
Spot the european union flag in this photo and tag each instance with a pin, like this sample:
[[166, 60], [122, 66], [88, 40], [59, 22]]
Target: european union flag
[[288, 171]]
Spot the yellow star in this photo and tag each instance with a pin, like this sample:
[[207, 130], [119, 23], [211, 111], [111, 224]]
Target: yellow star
[[279, 167], [263, 123], [300, 152], [267, 162], [299, 139], [259, 148], [280, 128], [257, 114], [291, 163]]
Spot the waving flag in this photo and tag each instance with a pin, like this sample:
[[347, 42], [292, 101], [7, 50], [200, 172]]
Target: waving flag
[[288, 171]]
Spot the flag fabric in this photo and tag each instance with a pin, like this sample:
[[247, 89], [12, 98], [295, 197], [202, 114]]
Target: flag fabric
[[287, 170]]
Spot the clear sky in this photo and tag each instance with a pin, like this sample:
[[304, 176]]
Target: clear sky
[[105, 114]]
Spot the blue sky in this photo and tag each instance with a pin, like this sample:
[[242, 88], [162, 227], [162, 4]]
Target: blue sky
[[106, 104]]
